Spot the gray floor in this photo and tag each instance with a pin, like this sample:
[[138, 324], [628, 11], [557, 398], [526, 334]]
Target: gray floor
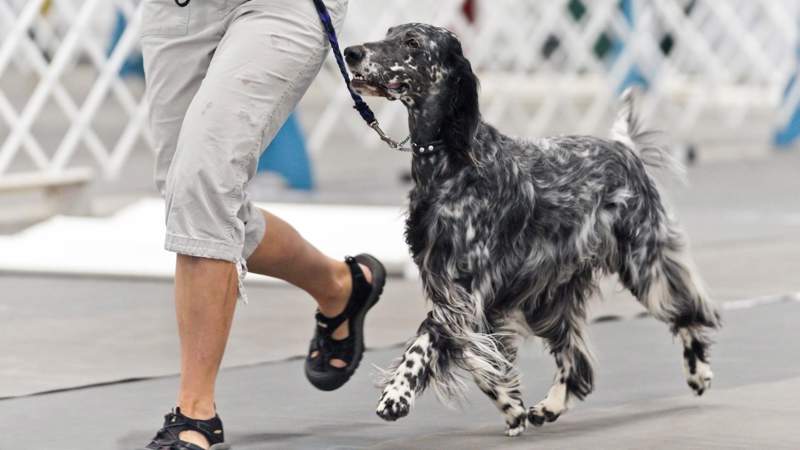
[[640, 401], [744, 221], [743, 217]]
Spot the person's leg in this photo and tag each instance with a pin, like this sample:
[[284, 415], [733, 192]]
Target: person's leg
[[263, 64], [284, 254], [177, 52], [205, 299], [176, 61], [273, 247]]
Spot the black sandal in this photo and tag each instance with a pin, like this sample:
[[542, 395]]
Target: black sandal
[[364, 296], [175, 423]]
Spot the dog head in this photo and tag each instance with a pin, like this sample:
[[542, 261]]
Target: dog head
[[409, 64], [424, 67]]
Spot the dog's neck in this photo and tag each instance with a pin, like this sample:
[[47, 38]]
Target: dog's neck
[[445, 162], [425, 122], [448, 116]]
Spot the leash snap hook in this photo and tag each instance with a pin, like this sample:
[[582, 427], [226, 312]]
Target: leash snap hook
[[392, 143]]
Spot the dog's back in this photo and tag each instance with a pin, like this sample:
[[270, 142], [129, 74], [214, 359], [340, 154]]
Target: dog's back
[[597, 207]]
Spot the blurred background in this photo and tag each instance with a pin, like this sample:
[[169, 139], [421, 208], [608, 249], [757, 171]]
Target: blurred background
[[85, 289]]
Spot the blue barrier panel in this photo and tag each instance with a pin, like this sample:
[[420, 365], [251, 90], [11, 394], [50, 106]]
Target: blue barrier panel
[[634, 77], [287, 156], [134, 65], [788, 134]]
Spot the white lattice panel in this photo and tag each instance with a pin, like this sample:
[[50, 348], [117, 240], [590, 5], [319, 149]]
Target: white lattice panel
[[731, 60]]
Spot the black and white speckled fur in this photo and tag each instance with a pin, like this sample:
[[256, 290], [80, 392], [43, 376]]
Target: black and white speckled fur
[[511, 235]]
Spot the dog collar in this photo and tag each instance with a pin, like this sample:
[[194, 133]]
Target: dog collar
[[428, 149]]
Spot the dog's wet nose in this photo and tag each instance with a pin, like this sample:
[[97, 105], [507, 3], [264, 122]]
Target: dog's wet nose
[[354, 54]]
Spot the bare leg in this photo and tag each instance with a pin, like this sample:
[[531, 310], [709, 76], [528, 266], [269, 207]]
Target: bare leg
[[284, 254], [205, 298]]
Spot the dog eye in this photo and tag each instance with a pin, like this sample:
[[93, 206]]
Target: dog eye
[[413, 43]]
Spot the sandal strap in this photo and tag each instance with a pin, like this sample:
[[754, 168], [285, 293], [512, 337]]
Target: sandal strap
[[323, 343], [361, 287], [341, 349], [329, 349], [327, 325], [175, 423], [359, 292]]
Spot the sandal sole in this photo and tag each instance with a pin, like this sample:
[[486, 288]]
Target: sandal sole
[[333, 382], [222, 446]]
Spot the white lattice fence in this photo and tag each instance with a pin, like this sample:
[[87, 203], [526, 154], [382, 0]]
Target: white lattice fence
[[73, 47], [729, 63], [539, 63]]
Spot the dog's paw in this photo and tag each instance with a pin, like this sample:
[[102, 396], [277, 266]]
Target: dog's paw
[[539, 414], [700, 380], [517, 426], [394, 404]]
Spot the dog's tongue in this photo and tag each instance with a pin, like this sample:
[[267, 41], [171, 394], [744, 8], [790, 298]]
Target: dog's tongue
[[394, 85]]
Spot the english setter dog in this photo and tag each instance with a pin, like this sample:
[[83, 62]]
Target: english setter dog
[[511, 235]]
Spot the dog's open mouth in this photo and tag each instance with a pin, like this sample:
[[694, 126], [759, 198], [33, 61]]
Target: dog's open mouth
[[367, 87]]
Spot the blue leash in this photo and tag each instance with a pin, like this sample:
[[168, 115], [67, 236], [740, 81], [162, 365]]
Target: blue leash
[[358, 103]]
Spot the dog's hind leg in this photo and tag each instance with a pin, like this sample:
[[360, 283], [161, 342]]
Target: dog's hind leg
[[563, 332], [696, 365], [663, 278], [412, 372], [504, 390]]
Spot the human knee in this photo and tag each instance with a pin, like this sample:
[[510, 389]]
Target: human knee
[[202, 213]]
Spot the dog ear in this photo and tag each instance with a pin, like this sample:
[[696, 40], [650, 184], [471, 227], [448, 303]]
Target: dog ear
[[462, 119]]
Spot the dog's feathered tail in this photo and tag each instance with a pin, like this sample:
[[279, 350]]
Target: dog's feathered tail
[[627, 129]]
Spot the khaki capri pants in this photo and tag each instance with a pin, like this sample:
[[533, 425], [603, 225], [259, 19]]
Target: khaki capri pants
[[222, 77]]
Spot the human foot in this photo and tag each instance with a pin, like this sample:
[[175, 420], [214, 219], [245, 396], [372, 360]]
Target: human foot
[[337, 304], [338, 343], [181, 432]]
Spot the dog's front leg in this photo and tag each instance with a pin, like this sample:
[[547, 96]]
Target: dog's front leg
[[409, 377], [504, 390]]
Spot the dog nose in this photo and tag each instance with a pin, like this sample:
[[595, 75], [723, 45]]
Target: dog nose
[[354, 54]]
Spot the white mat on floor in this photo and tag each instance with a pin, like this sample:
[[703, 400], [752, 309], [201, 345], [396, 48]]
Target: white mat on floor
[[130, 243]]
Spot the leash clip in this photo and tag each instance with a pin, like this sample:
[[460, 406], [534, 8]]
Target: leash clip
[[389, 141]]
